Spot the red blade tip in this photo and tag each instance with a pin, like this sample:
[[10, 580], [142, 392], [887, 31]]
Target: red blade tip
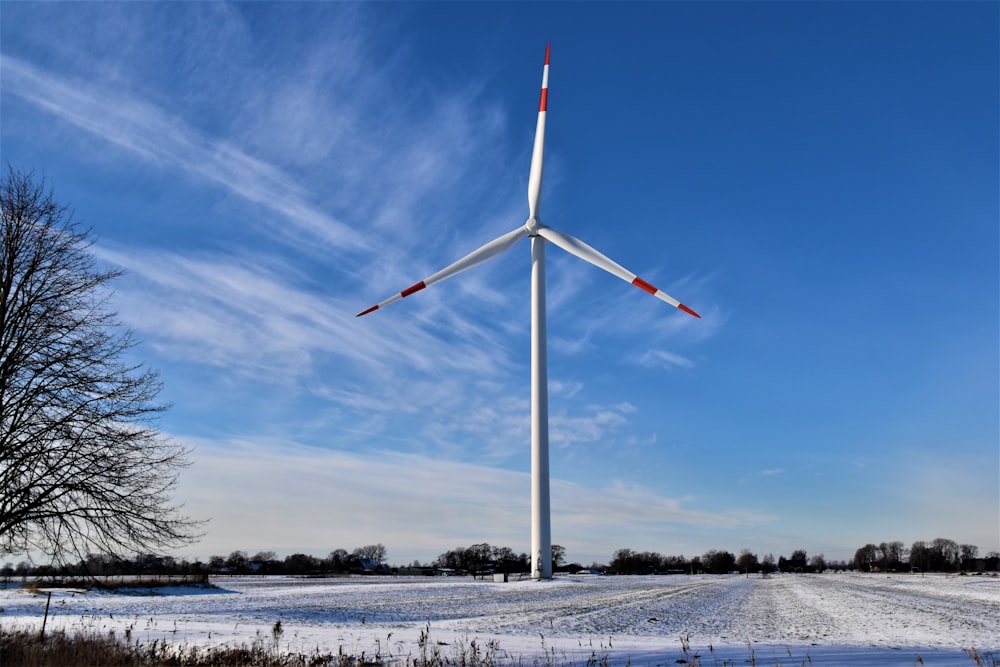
[[548, 48], [688, 310], [365, 312]]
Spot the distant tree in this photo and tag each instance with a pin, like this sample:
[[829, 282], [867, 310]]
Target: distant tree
[[453, 559], [651, 561], [503, 554], [891, 555], [196, 567], [100, 564], [623, 562], [968, 553], [264, 562], [992, 561], [817, 563], [866, 558], [483, 557], [719, 562], [505, 560], [881, 559], [558, 555], [151, 563], [337, 561], [767, 565], [674, 564], [82, 468], [238, 562], [708, 561], [300, 564], [747, 562], [374, 552], [479, 557], [944, 555], [919, 556]]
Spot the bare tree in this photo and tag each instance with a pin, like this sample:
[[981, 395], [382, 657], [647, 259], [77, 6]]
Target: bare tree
[[558, 555], [944, 554], [338, 560], [919, 556], [894, 553], [375, 552], [82, 468], [238, 562]]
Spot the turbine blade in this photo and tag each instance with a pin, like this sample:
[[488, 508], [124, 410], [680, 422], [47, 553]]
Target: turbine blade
[[575, 246], [495, 247], [538, 153]]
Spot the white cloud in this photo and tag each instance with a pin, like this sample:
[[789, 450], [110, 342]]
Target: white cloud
[[664, 359], [287, 497]]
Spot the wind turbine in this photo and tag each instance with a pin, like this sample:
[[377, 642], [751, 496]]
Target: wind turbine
[[541, 528]]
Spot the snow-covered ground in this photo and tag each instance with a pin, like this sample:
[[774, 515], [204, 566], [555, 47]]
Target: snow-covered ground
[[829, 619]]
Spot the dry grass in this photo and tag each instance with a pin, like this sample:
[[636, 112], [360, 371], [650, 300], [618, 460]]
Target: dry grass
[[23, 648], [116, 582], [28, 648]]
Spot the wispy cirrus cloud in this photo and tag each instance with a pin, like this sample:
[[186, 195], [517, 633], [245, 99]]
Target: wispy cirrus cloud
[[166, 140], [254, 310], [247, 314], [413, 177], [664, 359]]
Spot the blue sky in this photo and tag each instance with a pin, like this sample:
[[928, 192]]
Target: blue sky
[[818, 180]]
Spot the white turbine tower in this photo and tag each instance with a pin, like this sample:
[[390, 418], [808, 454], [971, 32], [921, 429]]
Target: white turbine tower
[[541, 530]]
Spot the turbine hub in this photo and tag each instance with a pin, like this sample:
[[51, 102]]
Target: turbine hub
[[532, 225]]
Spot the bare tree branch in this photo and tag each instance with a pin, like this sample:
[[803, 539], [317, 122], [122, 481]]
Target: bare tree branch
[[82, 466]]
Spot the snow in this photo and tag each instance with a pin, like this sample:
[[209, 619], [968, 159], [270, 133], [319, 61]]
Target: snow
[[829, 619]]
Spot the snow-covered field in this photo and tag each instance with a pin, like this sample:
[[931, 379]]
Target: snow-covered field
[[829, 619]]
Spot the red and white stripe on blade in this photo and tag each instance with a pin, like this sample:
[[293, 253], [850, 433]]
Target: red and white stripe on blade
[[575, 246], [538, 153], [497, 246]]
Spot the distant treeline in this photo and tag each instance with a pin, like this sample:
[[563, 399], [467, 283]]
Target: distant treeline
[[368, 559], [938, 555]]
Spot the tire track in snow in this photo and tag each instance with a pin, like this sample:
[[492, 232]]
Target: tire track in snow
[[886, 609], [600, 608]]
